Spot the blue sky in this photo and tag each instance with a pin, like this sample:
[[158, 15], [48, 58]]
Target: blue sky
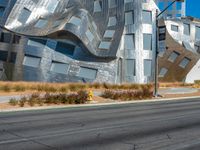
[[193, 8]]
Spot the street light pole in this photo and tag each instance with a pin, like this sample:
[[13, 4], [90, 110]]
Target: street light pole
[[157, 51], [156, 60]]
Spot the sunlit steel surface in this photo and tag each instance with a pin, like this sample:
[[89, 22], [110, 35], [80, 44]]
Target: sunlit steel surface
[[110, 41], [102, 40], [182, 49]]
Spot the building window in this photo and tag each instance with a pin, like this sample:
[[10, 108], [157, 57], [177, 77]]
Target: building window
[[65, 48], [186, 29], [173, 56], [87, 73], [184, 62], [147, 17], [112, 3], [130, 67], [2, 9], [37, 42], [52, 5], [41, 23], [97, 6], [16, 39], [129, 41], [24, 15], [163, 72], [197, 33], [89, 35], [128, 1], [129, 18], [5, 37], [35, 1], [109, 34], [75, 20], [112, 21], [174, 28], [147, 41], [3, 55], [58, 67], [147, 67], [104, 45], [32, 61]]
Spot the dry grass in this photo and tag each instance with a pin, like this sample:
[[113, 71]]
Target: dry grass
[[175, 84], [62, 87], [79, 97], [144, 92]]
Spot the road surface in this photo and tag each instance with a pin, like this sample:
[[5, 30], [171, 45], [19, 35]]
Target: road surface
[[169, 125]]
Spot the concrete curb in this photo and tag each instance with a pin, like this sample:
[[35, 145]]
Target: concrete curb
[[99, 104]]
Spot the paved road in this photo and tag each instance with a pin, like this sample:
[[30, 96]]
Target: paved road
[[171, 125]]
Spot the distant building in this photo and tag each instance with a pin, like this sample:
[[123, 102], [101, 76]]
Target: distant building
[[110, 41], [177, 10]]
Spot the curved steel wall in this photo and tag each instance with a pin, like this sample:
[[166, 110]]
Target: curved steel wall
[[94, 41]]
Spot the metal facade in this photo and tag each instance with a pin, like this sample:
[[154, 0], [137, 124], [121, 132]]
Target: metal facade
[[110, 41]]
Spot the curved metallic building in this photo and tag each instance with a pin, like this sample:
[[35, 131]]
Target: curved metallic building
[[80, 40], [182, 52], [109, 41]]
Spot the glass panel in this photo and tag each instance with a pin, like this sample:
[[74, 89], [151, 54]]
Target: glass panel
[[163, 72], [89, 35], [130, 67], [147, 17], [37, 42], [41, 23], [24, 15], [129, 18], [3, 55], [5, 37], [65, 48], [52, 5], [112, 3], [104, 45], [147, 41], [174, 28], [147, 67], [186, 29], [31, 61], [97, 6], [2, 9], [173, 56], [129, 42], [88, 73], [112, 21], [59, 67], [128, 1], [75, 20], [109, 34], [197, 32], [184, 62]]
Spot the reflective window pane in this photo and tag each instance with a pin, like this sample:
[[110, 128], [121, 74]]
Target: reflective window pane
[[87, 73], [147, 41], [59, 67], [184, 62], [31, 61], [173, 56], [147, 67], [24, 15]]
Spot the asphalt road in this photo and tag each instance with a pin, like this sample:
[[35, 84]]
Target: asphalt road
[[172, 125]]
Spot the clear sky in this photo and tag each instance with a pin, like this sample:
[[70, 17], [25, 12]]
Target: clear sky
[[193, 8]]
